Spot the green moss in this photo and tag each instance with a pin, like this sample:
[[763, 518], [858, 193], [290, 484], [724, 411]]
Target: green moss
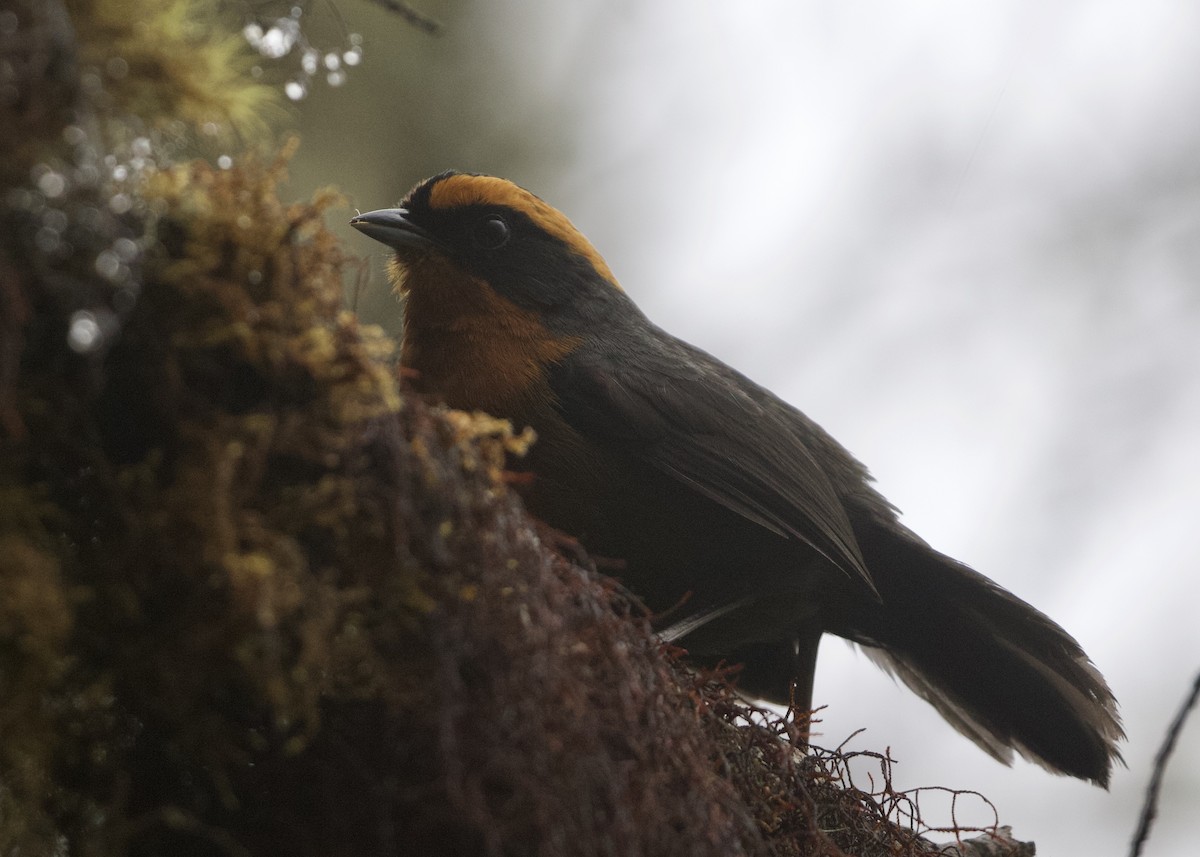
[[175, 60]]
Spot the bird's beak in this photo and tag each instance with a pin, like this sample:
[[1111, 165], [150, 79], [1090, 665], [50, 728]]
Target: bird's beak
[[393, 228]]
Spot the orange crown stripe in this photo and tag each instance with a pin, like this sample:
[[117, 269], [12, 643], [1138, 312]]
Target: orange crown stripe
[[489, 190]]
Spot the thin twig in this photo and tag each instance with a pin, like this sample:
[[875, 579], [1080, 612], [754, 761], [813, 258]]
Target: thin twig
[[411, 16], [1150, 807]]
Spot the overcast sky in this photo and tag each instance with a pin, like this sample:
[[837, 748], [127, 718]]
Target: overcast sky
[[965, 238]]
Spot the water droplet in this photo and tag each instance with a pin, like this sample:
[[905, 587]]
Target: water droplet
[[108, 264], [332, 61], [353, 56], [253, 33], [141, 147], [120, 203], [123, 300], [309, 61], [254, 277], [52, 183], [84, 334], [224, 162], [116, 67], [120, 172], [56, 219], [126, 248], [73, 135], [295, 89], [88, 216], [279, 40], [335, 78], [19, 198], [47, 240], [210, 129]]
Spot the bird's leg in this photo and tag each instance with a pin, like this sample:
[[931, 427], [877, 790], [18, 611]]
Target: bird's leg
[[804, 667]]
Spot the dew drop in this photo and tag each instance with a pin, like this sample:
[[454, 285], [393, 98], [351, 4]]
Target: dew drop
[[52, 184], [126, 249], [88, 216], [108, 264], [279, 40], [56, 219], [116, 67], [123, 300], [19, 198], [47, 240], [84, 334]]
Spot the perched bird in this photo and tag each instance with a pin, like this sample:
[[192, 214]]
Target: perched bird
[[735, 515]]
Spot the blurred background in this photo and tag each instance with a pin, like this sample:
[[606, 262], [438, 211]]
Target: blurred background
[[963, 237]]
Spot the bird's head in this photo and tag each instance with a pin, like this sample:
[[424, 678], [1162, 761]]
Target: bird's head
[[462, 239], [497, 285]]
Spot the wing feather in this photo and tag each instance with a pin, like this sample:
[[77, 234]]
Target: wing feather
[[687, 415]]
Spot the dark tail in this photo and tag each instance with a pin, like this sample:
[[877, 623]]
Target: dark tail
[[1001, 672]]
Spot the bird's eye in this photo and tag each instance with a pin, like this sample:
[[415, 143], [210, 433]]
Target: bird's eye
[[491, 233]]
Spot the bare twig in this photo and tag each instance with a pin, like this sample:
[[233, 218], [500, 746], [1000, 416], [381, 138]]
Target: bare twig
[[1150, 807], [411, 16]]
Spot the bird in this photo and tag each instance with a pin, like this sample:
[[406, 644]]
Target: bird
[[745, 528]]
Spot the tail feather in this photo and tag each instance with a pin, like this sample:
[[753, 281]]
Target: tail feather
[[998, 670]]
